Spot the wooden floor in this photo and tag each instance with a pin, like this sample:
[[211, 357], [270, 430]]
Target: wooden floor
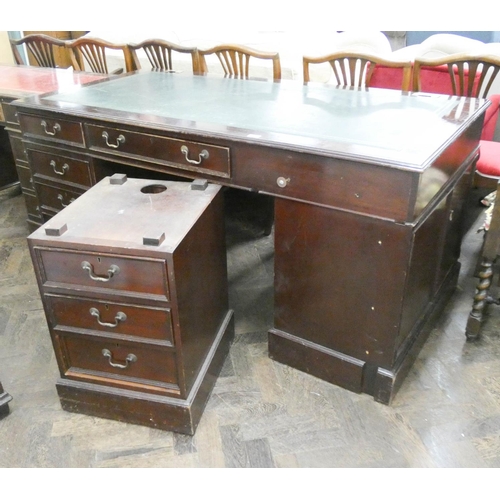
[[261, 413]]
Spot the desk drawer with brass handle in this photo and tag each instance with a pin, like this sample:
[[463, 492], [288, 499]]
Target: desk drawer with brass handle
[[54, 198], [68, 269], [54, 129], [121, 364], [186, 155], [110, 317], [61, 168]]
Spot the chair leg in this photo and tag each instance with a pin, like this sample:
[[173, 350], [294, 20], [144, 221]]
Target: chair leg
[[481, 300]]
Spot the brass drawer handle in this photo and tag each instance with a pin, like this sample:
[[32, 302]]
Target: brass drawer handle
[[65, 168], [60, 197], [56, 128], [131, 358], [120, 316], [113, 269], [202, 156], [119, 140]]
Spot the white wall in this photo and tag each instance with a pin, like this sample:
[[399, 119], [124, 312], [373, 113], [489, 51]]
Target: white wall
[[6, 56]]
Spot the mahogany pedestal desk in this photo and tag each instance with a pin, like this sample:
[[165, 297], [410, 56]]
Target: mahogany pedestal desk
[[133, 280], [17, 82], [369, 188]]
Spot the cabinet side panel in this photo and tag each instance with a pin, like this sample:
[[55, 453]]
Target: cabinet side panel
[[201, 294]]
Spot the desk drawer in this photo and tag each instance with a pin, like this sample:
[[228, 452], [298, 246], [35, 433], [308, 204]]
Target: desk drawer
[[110, 317], [61, 168], [187, 155], [52, 128], [102, 272], [124, 364], [54, 198]]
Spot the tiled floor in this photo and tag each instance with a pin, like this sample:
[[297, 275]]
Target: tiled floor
[[261, 413]]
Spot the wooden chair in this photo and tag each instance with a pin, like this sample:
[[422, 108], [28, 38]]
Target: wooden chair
[[355, 69], [235, 60], [471, 76], [41, 47], [484, 272], [159, 53], [93, 52]]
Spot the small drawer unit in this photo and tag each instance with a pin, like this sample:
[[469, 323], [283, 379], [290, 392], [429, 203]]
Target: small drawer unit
[[133, 279]]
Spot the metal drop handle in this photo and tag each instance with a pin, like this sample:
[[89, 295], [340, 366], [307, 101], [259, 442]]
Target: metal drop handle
[[120, 317], [56, 128], [113, 269], [119, 140], [131, 358], [65, 168], [202, 156], [60, 197]]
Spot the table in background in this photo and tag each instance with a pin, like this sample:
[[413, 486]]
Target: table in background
[[22, 81], [369, 191]]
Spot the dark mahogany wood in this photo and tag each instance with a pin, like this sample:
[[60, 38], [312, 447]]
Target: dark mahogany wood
[[369, 187], [137, 308]]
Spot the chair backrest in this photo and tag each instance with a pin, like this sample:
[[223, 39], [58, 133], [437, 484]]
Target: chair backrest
[[353, 69], [235, 60], [93, 52], [468, 75], [159, 53], [41, 47]]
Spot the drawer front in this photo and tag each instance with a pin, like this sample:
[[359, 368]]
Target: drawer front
[[124, 364], [52, 128], [110, 317], [54, 199], [186, 155], [103, 272], [60, 168], [338, 183]]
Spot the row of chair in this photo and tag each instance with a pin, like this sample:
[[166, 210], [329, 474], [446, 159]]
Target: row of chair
[[90, 53]]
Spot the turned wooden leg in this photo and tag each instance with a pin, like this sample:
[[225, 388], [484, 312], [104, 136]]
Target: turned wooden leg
[[481, 300]]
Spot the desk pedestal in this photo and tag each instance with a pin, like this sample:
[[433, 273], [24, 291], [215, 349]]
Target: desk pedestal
[[354, 293]]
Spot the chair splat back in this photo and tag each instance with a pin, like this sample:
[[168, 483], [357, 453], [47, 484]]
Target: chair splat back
[[159, 54], [41, 47], [470, 75], [235, 60], [93, 51], [355, 69]]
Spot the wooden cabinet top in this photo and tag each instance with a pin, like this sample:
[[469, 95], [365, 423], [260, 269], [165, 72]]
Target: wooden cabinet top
[[378, 126]]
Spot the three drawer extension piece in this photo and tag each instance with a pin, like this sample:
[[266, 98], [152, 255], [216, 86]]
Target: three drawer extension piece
[[133, 278]]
